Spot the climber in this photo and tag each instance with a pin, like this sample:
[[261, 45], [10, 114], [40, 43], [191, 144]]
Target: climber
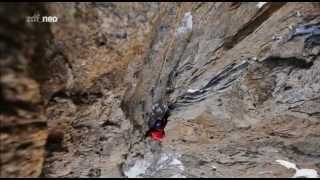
[[158, 121], [157, 132]]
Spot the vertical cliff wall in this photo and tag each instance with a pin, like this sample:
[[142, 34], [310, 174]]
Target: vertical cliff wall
[[240, 84]]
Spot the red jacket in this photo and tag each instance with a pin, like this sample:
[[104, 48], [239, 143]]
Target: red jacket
[[156, 134]]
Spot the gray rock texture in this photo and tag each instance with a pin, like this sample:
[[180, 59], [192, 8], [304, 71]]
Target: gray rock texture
[[239, 84]]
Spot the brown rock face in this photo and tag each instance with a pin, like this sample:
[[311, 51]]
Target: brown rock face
[[239, 84], [23, 130]]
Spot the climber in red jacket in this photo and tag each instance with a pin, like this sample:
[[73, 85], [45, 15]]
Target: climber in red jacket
[[157, 132], [158, 121]]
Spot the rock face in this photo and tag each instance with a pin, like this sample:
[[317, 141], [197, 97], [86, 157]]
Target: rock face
[[240, 83], [108, 44], [243, 87], [23, 130]]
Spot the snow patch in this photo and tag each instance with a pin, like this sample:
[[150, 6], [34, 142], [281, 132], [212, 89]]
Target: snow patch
[[261, 4], [139, 168], [186, 23], [287, 164], [163, 158], [192, 90], [150, 167], [169, 160], [308, 173], [177, 163]]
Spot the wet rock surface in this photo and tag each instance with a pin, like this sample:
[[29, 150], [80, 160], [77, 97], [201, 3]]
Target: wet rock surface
[[237, 83]]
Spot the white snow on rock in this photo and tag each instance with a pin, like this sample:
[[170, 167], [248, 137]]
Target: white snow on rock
[[192, 90], [261, 4], [186, 24], [167, 160], [287, 164], [148, 167], [139, 168], [177, 163], [308, 173]]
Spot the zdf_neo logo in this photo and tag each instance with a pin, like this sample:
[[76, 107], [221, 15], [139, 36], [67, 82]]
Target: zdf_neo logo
[[39, 19], [49, 19]]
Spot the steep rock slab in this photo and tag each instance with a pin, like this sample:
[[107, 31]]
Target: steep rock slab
[[243, 92]]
